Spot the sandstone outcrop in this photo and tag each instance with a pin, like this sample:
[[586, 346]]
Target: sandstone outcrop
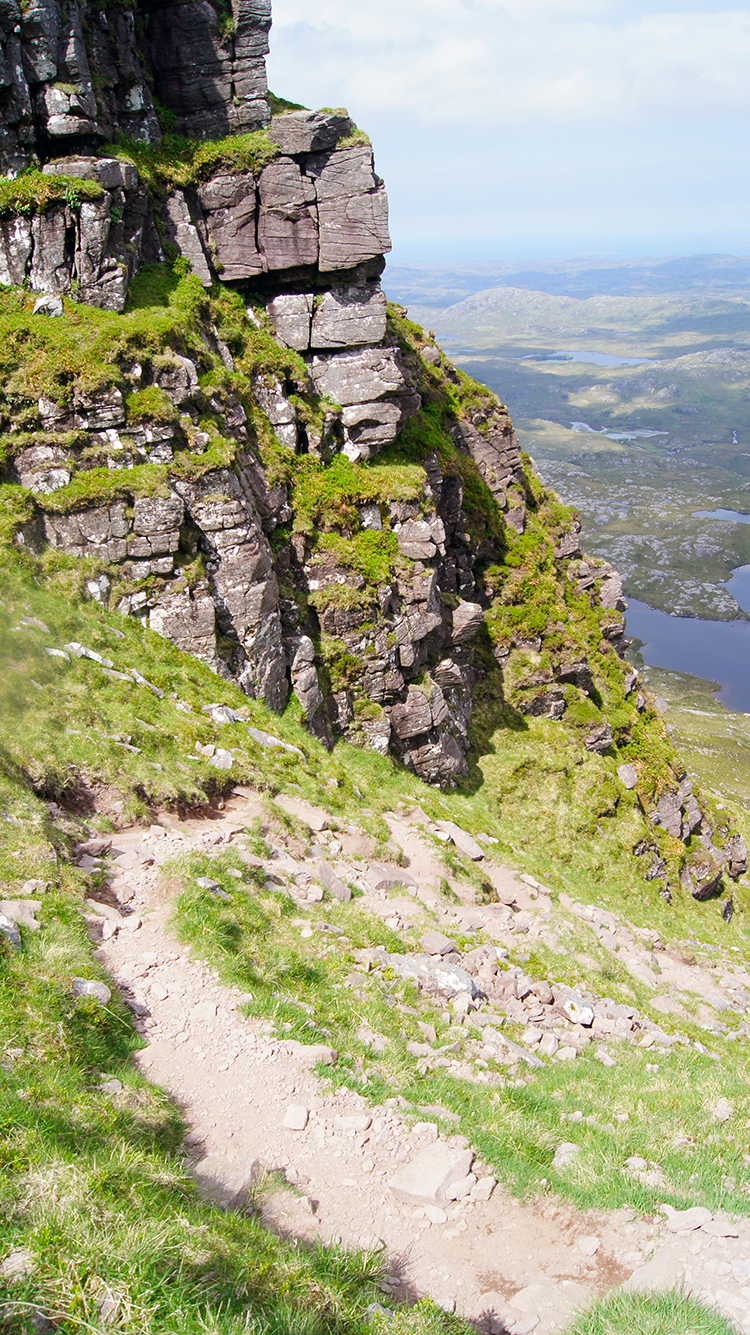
[[77, 76], [215, 481]]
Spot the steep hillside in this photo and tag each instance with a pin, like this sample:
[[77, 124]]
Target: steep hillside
[[263, 544]]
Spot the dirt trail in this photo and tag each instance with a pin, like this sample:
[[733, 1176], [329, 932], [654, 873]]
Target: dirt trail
[[520, 1268]]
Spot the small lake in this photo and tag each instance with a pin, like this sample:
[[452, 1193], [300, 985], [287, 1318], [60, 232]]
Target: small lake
[[716, 650], [635, 434], [733, 516], [739, 587], [598, 358]]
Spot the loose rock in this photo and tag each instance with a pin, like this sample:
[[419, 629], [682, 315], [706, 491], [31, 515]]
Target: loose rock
[[425, 1181]]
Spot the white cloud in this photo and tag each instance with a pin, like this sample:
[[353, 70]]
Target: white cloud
[[557, 125], [452, 60]]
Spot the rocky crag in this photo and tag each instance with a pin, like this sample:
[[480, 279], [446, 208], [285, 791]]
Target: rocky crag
[[211, 413]]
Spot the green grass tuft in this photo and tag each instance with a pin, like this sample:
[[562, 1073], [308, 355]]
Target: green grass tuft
[[669, 1313]]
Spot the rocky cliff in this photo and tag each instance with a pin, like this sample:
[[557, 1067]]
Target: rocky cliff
[[210, 414], [79, 75]]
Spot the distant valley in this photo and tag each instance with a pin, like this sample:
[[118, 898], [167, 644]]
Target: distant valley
[[629, 384]]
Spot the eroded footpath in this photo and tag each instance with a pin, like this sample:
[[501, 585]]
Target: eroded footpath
[[380, 1177]]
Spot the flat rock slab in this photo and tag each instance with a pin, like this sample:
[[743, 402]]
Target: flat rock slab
[[463, 841], [21, 911], [327, 877], [227, 1182], [425, 1181], [448, 979], [686, 1221], [311, 1053], [434, 943], [386, 877], [295, 1118], [716, 1228], [17, 1265], [662, 1272]]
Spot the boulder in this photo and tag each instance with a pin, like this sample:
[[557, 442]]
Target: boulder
[[598, 738], [287, 224], [735, 852], [426, 1180], [349, 317], [290, 314], [9, 930], [327, 877], [93, 989], [576, 674], [359, 378], [419, 540], [413, 717], [180, 229], [468, 619]]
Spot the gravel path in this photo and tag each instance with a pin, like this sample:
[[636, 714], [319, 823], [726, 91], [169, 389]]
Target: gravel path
[[252, 1103]]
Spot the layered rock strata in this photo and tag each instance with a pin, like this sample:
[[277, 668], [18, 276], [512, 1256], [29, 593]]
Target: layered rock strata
[[74, 76], [380, 597], [308, 230]]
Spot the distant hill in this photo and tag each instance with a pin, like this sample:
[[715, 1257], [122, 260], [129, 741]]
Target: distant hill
[[444, 284]]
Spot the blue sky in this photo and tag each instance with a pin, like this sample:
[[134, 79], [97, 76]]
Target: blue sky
[[538, 128]]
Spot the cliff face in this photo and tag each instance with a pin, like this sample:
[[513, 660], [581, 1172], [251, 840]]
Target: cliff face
[[226, 433], [77, 75]]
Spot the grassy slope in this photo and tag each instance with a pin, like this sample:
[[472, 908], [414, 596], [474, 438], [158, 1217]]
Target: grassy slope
[[69, 1153], [67, 733]]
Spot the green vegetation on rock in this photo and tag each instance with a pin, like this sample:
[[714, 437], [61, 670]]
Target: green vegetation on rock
[[178, 161], [34, 191]]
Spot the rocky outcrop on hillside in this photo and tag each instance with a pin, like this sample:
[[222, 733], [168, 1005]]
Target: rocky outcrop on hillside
[[93, 244], [74, 75], [293, 483]]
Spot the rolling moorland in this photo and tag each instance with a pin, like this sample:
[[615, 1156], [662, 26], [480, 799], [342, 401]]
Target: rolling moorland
[[518, 329]]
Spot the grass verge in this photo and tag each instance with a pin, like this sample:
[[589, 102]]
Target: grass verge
[[670, 1313]]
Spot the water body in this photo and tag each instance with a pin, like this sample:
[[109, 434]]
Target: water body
[[599, 358], [739, 584], [716, 650], [585, 429], [733, 515], [594, 358]]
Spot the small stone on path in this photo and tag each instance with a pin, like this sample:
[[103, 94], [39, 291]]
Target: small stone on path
[[589, 1246], [426, 1179], [295, 1118], [685, 1221], [483, 1189]]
